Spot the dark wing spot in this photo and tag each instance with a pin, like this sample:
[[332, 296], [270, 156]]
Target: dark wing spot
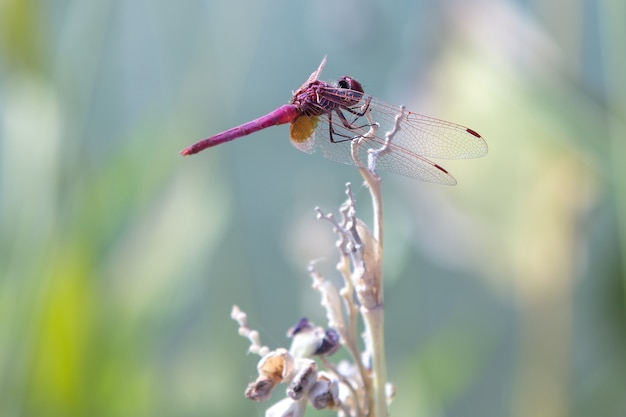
[[441, 168], [472, 132]]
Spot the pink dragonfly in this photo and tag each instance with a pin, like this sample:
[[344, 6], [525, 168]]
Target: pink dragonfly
[[331, 116]]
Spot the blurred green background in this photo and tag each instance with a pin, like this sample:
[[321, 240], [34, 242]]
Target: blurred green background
[[120, 260]]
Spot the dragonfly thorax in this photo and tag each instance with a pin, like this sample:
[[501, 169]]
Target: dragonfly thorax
[[311, 99], [319, 97]]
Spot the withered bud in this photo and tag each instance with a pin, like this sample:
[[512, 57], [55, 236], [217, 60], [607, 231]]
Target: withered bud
[[277, 365], [309, 340], [329, 344], [324, 393], [261, 389], [305, 377], [303, 325]]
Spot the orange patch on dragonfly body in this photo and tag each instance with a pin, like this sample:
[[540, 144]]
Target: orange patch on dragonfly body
[[302, 128]]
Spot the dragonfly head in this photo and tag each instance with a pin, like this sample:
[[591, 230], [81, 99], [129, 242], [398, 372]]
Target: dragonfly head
[[349, 83], [355, 93]]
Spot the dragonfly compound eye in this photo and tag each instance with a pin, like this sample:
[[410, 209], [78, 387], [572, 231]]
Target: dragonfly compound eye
[[350, 84], [343, 83]]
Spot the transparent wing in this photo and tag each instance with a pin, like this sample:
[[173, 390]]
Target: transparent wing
[[417, 138], [428, 136]]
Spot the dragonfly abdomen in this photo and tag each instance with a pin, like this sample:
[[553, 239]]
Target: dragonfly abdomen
[[284, 114]]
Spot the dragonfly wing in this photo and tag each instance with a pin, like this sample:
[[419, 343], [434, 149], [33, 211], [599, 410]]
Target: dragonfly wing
[[409, 139], [315, 75], [427, 136], [334, 139], [414, 167], [302, 133]]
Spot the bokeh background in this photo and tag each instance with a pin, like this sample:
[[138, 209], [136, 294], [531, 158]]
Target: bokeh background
[[120, 260]]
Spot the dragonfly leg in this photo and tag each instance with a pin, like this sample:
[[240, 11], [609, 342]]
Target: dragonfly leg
[[346, 124], [331, 131], [364, 110], [357, 113]]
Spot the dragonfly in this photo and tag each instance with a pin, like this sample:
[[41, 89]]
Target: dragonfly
[[331, 116]]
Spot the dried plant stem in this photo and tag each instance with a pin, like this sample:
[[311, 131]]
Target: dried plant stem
[[373, 316], [352, 313], [373, 320], [373, 184], [373, 313]]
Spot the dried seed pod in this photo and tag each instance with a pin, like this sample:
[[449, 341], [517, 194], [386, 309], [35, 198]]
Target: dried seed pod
[[309, 340], [274, 368], [305, 377], [277, 365], [329, 344], [261, 389], [324, 393]]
